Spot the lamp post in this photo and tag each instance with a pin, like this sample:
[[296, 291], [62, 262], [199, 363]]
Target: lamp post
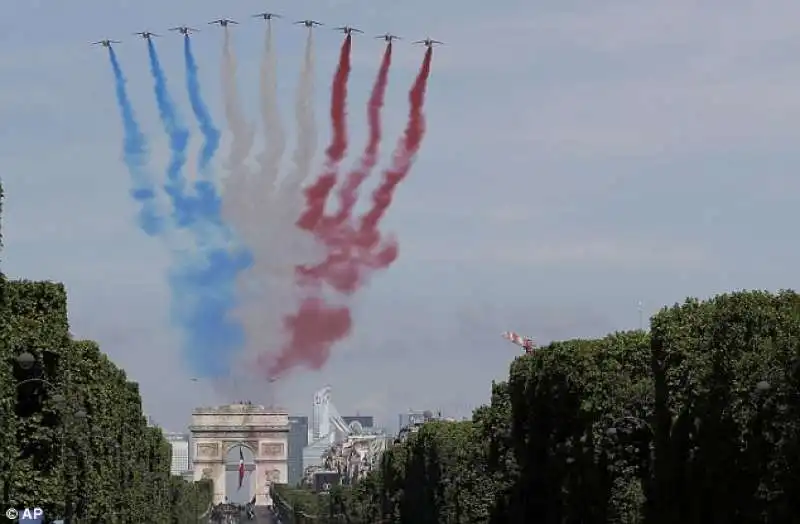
[[26, 361]]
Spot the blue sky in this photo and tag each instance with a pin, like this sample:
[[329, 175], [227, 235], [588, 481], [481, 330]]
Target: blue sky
[[580, 158]]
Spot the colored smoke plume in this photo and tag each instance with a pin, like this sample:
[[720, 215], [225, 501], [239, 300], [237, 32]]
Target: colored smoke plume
[[178, 136], [206, 263], [356, 252], [317, 193], [289, 200], [135, 154], [207, 199], [266, 288], [239, 201], [274, 135], [352, 253], [348, 193], [211, 134]]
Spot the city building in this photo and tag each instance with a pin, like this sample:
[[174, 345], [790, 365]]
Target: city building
[[359, 422], [180, 453], [298, 440], [413, 417]]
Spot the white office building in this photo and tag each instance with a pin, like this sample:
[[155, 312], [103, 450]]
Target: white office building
[[181, 462]]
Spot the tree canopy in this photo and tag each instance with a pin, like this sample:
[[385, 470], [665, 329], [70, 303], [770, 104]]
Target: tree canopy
[[73, 437], [696, 420]]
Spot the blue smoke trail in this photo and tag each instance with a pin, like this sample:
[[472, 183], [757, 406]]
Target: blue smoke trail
[[135, 154], [210, 132], [208, 202], [178, 140], [203, 278]]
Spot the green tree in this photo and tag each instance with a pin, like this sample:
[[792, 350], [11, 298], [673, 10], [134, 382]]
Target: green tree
[[36, 322], [106, 465], [727, 376], [565, 399]]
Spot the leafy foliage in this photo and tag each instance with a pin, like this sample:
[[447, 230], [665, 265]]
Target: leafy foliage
[[727, 375], [696, 421], [73, 438]]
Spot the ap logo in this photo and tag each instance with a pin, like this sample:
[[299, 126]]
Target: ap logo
[[25, 515]]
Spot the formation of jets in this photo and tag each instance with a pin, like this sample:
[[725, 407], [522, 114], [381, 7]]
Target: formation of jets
[[224, 22]]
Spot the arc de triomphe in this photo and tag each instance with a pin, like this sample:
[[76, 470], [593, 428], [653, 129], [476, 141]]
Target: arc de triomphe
[[217, 430]]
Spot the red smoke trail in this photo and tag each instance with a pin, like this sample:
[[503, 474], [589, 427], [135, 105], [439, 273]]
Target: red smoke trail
[[316, 326], [351, 250], [406, 150], [348, 194], [317, 194]]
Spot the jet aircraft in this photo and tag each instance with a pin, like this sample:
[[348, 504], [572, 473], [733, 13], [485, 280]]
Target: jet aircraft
[[526, 343], [346, 29], [428, 42], [267, 16], [388, 37], [106, 43], [223, 22], [184, 30], [308, 23], [147, 35]]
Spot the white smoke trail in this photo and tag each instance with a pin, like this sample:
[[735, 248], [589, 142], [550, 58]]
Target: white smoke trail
[[237, 198], [274, 135], [241, 200], [299, 247], [271, 292], [266, 286]]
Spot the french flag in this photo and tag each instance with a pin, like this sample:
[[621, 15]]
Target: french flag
[[241, 468]]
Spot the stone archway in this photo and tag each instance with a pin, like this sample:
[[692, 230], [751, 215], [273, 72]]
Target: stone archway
[[216, 430]]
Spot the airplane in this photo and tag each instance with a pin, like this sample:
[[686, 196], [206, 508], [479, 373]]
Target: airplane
[[308, 23], [146, 34], [106, 43], [525, 343], [267, 16], [428, 42], [347, 29], [388, 37], [184, 30], [223, 22]]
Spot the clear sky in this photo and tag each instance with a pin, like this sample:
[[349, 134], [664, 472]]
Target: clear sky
[[581, 157]]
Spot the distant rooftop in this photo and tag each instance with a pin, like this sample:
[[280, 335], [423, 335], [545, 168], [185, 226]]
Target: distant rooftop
[[239, 408]]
